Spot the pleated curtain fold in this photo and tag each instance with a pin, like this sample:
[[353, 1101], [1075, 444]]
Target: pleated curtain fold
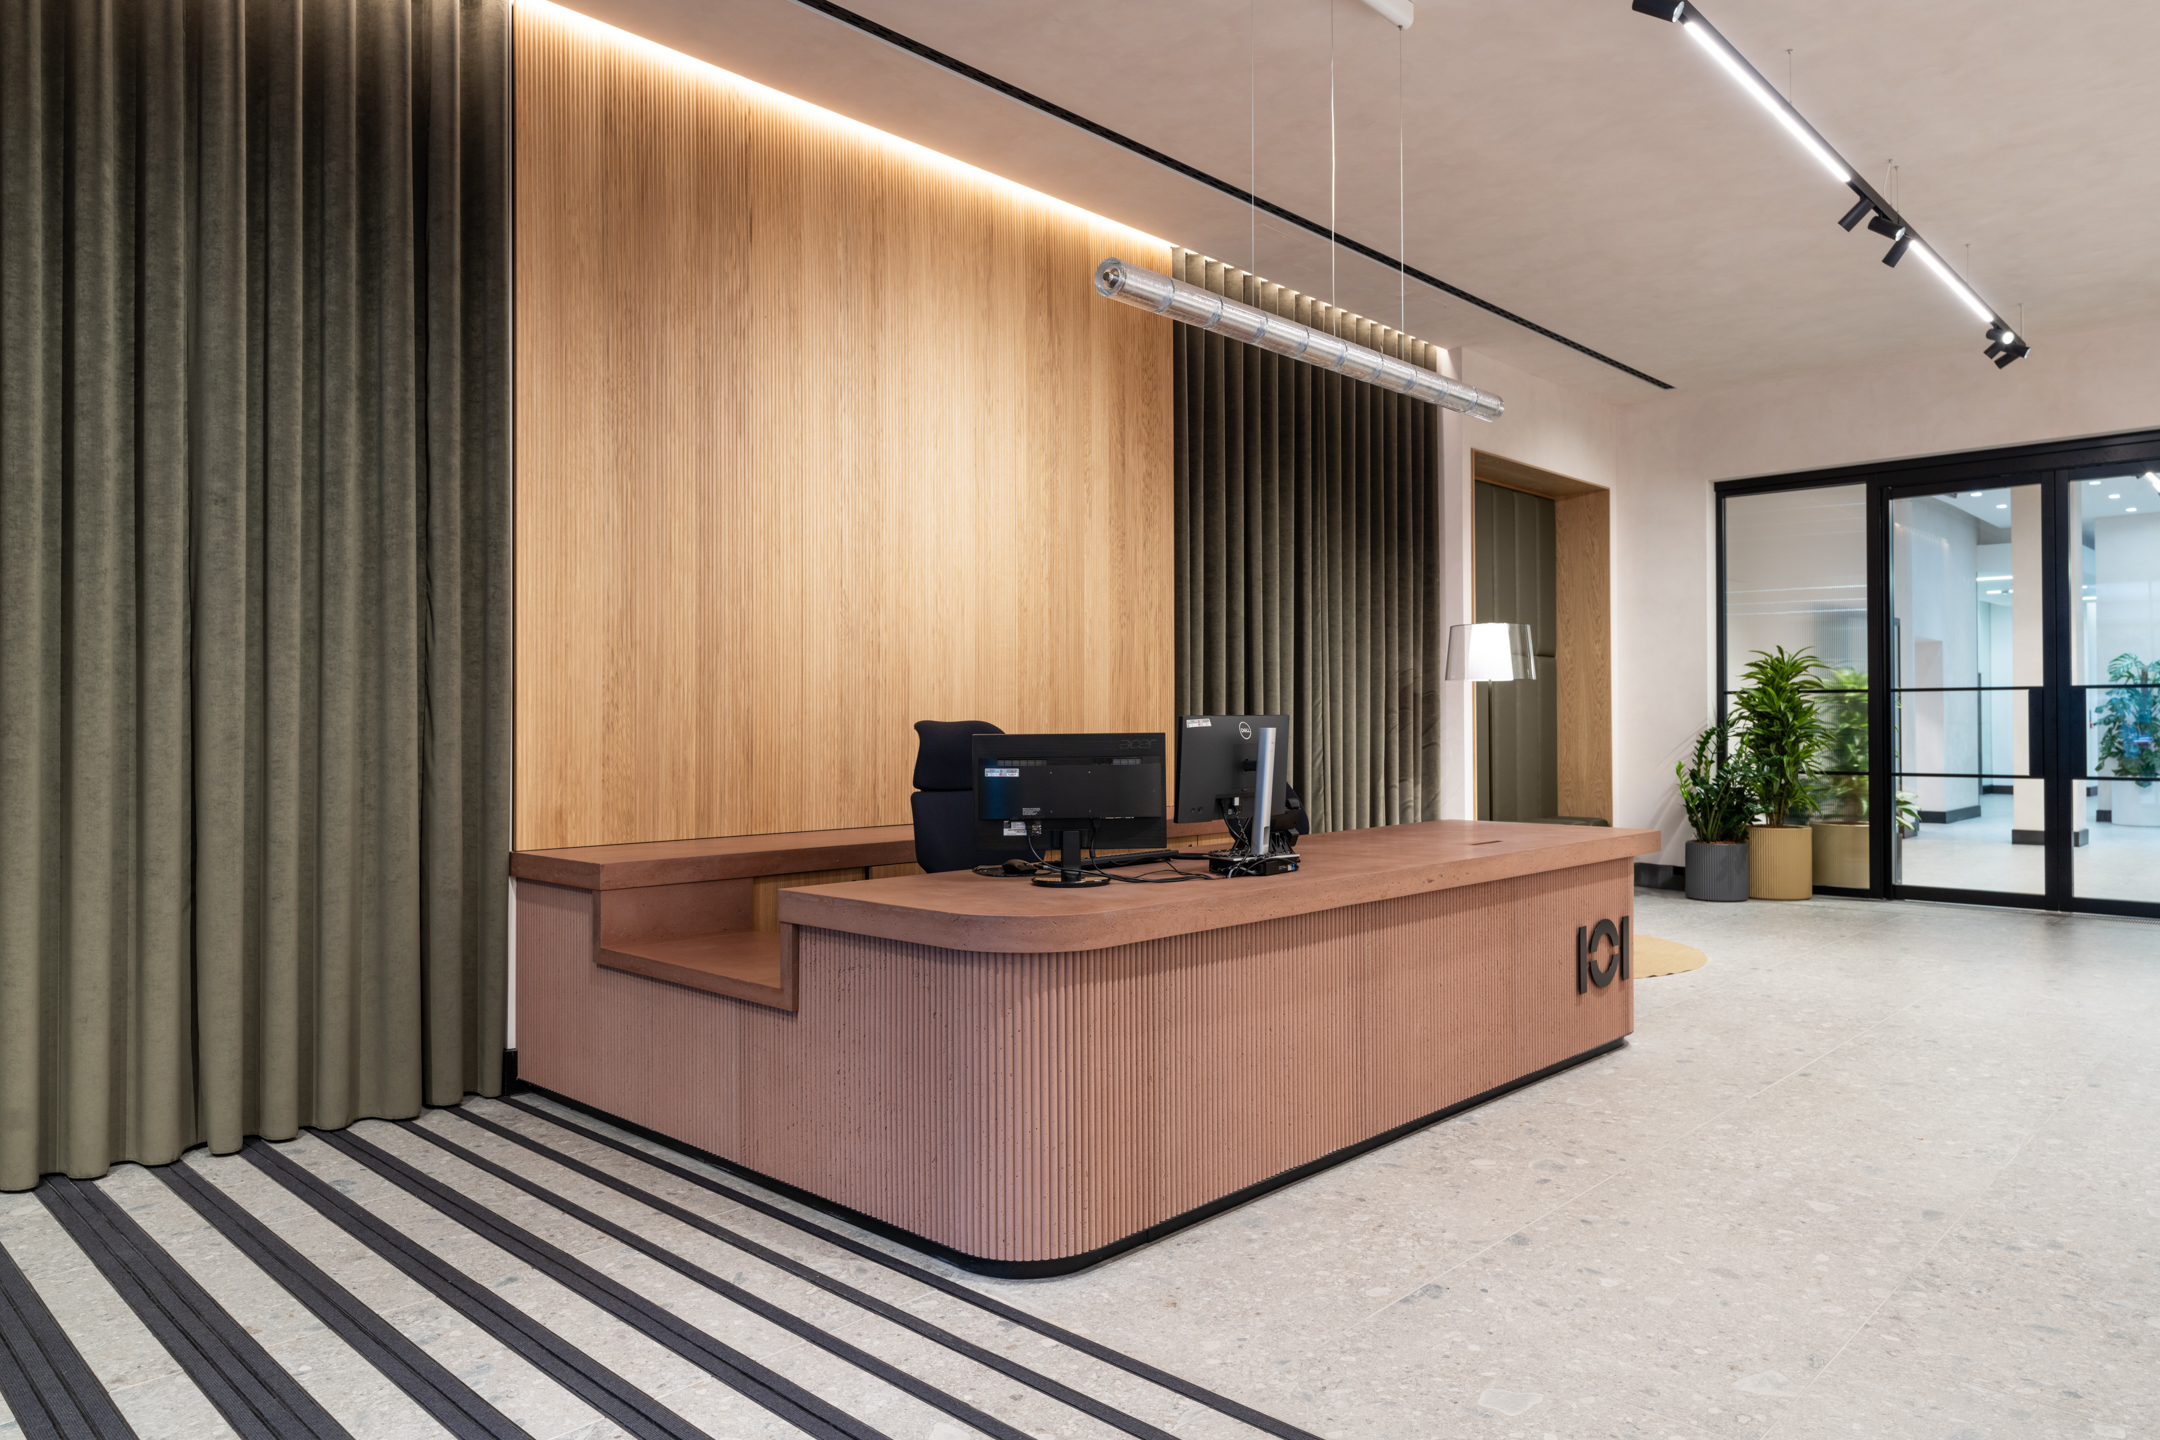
[[254, 568], [1308, 555]]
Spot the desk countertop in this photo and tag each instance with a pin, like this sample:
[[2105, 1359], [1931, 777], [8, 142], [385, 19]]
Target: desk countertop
[[965, 911]]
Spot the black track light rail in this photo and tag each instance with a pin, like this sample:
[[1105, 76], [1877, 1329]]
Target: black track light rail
[[1882, 217], [1011, 91]]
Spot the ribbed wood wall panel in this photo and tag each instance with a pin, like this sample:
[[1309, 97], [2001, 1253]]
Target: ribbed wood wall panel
[[1028, 1107], [819, 434]]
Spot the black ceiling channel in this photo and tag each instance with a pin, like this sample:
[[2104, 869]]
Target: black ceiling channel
[[1103, 132]]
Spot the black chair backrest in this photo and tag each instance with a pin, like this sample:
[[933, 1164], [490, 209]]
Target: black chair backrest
[[944, 800]]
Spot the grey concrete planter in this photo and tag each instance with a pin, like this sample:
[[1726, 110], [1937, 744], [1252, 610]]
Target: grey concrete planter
[[1717, 872]]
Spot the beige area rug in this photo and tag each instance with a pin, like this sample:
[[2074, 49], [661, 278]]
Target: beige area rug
[[1663, 957]]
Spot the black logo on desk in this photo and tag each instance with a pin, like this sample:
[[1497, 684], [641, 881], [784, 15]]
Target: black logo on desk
[[1588, 971]]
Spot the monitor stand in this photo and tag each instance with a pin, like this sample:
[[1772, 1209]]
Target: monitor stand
[[1069, 875], [1257, 855]]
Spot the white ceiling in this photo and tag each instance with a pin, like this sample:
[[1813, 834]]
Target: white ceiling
[[1570, 160]]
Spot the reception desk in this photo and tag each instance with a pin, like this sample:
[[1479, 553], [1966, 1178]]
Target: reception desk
[[1028, 1081]]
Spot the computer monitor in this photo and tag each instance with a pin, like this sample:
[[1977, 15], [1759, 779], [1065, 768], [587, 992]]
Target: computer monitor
[[1217, 756], [1033, 790]]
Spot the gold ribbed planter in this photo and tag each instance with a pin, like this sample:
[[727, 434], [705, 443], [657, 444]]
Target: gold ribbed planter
[[1841, 853], [1781, 862]]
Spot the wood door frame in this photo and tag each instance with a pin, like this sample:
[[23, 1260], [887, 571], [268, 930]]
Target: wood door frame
[[1582, 646]]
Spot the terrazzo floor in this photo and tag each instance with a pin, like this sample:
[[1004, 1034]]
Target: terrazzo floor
[[2117, 862], [1876, 1170]]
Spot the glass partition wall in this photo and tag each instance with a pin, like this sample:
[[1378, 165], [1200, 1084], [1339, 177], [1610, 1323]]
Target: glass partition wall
[[1988, 629], [1796, 578], [2113, 536]]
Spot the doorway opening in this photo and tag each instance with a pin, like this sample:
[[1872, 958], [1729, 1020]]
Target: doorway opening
[[1541, 558]]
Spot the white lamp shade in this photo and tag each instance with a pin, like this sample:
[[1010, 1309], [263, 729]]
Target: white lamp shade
[[1490, 652]]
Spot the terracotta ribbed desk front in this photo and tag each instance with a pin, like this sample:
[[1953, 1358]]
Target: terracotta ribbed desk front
[[1030, 1079]]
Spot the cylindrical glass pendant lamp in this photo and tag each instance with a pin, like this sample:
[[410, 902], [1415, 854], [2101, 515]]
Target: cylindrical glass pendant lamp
[[1204, 309]]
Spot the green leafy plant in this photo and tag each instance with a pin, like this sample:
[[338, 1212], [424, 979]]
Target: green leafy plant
[[2129, 726], [1783, 732], [1718, 787], [1908, 813], [1843, 705]]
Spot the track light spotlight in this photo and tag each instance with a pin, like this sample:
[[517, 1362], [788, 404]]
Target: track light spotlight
[[1883, 225], [2017, 350], [1855, 215], [1897, 250], [1673, 10]]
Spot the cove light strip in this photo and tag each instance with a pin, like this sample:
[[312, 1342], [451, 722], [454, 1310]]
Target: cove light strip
[[2004, 345], [1205, 310]]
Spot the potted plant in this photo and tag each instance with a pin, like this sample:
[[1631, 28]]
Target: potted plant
[[1840, 796], [1717, 788], [2129, 723], [1783, 734]]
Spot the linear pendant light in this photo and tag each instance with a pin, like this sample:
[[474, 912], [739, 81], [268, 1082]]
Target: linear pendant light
[[2003, 345], [1205, 310]]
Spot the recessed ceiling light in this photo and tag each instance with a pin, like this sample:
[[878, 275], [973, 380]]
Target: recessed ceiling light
[[2114, 497], [2092, 482], [2132, 509], [2002, 507], [1994, 592]]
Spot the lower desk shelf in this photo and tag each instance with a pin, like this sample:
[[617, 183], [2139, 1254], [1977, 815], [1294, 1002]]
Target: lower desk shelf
[[753, 965]]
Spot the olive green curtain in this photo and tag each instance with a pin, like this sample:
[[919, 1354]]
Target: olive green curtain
[[254, 568], [1308, 556]]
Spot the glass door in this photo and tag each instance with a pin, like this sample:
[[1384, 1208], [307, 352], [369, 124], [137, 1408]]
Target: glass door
[[1988, 632], [2112, 594], [1968, 649]]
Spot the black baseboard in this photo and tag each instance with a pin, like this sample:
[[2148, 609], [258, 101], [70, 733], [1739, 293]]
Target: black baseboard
[[2039, 837], [1998, 789], [1067, 1265], [510, 1080], [1660, 877], [2105, 817], [1949, 817]]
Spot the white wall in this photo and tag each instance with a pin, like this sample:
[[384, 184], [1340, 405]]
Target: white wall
[[1546, 425], [1662, 454]]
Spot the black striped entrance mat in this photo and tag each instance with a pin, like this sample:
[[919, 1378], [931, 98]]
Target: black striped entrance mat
[[509, 1269]]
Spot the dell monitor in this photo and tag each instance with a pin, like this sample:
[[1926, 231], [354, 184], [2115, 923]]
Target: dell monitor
[[1217, 760], [1075, 792]]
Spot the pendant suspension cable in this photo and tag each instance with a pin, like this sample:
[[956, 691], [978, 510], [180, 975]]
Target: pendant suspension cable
[[1333, 325]]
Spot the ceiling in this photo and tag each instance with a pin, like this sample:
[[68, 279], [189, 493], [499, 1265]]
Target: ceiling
[[1569, 160]]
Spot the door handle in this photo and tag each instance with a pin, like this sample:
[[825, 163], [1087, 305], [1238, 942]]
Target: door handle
[[2035, 717], [2084, 732]]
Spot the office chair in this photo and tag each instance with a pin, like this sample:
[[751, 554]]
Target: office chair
[[944, 798]]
